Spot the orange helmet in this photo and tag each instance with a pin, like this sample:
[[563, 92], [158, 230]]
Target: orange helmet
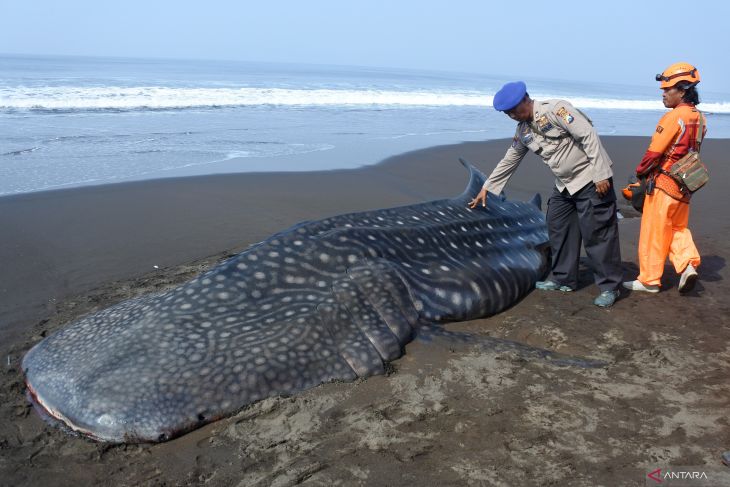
[[678, 72]]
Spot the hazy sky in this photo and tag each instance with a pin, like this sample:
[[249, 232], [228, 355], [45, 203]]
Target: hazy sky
[[628, 41]]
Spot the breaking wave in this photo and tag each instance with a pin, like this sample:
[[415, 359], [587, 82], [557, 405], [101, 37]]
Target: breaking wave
[[112, 98]]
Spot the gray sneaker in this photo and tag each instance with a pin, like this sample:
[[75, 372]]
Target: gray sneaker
[[688, 279], [552, 286], [606, 298]]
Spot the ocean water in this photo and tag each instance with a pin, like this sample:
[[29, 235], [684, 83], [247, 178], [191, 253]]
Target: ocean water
[[68, 121]]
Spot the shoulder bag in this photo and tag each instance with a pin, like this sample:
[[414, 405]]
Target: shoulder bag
[[689, 172]]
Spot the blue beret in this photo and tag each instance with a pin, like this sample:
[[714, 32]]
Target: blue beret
[[509, 96]]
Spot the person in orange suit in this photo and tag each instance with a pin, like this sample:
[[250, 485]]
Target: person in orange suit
[[664, 231]]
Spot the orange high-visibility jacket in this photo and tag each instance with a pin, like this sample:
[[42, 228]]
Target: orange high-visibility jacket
[[675, 135]]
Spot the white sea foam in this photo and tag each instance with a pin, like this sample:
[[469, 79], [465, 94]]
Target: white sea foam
[[124, 98], [69, 98], [627, 104]]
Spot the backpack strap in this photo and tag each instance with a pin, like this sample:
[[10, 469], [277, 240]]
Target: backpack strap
[[700, 128]]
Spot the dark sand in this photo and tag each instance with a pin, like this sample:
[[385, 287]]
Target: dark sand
[[449, 413]]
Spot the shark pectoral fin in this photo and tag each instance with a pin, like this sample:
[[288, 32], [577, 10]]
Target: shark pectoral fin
[[398, 288], [356, 348], [367, 319], [388, 294]]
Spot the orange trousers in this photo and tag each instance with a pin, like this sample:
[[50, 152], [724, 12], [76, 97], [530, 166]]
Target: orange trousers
[[664, 233]]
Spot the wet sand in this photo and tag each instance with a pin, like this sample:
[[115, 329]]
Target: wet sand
[[449, 413]]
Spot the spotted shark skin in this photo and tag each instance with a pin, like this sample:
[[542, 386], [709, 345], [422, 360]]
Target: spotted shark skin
[[328, 300]]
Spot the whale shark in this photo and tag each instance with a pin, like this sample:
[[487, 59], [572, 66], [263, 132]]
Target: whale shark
[[329, 300]]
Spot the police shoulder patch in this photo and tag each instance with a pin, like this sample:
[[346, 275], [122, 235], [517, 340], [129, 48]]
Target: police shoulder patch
[[544, 124], [565, 115], [659, 129]]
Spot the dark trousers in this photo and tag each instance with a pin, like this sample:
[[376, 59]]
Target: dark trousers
[[591, 218]]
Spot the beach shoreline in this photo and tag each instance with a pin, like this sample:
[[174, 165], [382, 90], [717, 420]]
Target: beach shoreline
[[448, 414]]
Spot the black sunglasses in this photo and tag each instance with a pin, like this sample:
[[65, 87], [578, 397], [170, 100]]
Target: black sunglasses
[[661, 77]]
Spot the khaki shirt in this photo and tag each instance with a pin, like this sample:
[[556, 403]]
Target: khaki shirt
[[565, 140]]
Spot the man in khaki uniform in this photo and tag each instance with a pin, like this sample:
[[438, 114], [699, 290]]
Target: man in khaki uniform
[[583, 203]]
